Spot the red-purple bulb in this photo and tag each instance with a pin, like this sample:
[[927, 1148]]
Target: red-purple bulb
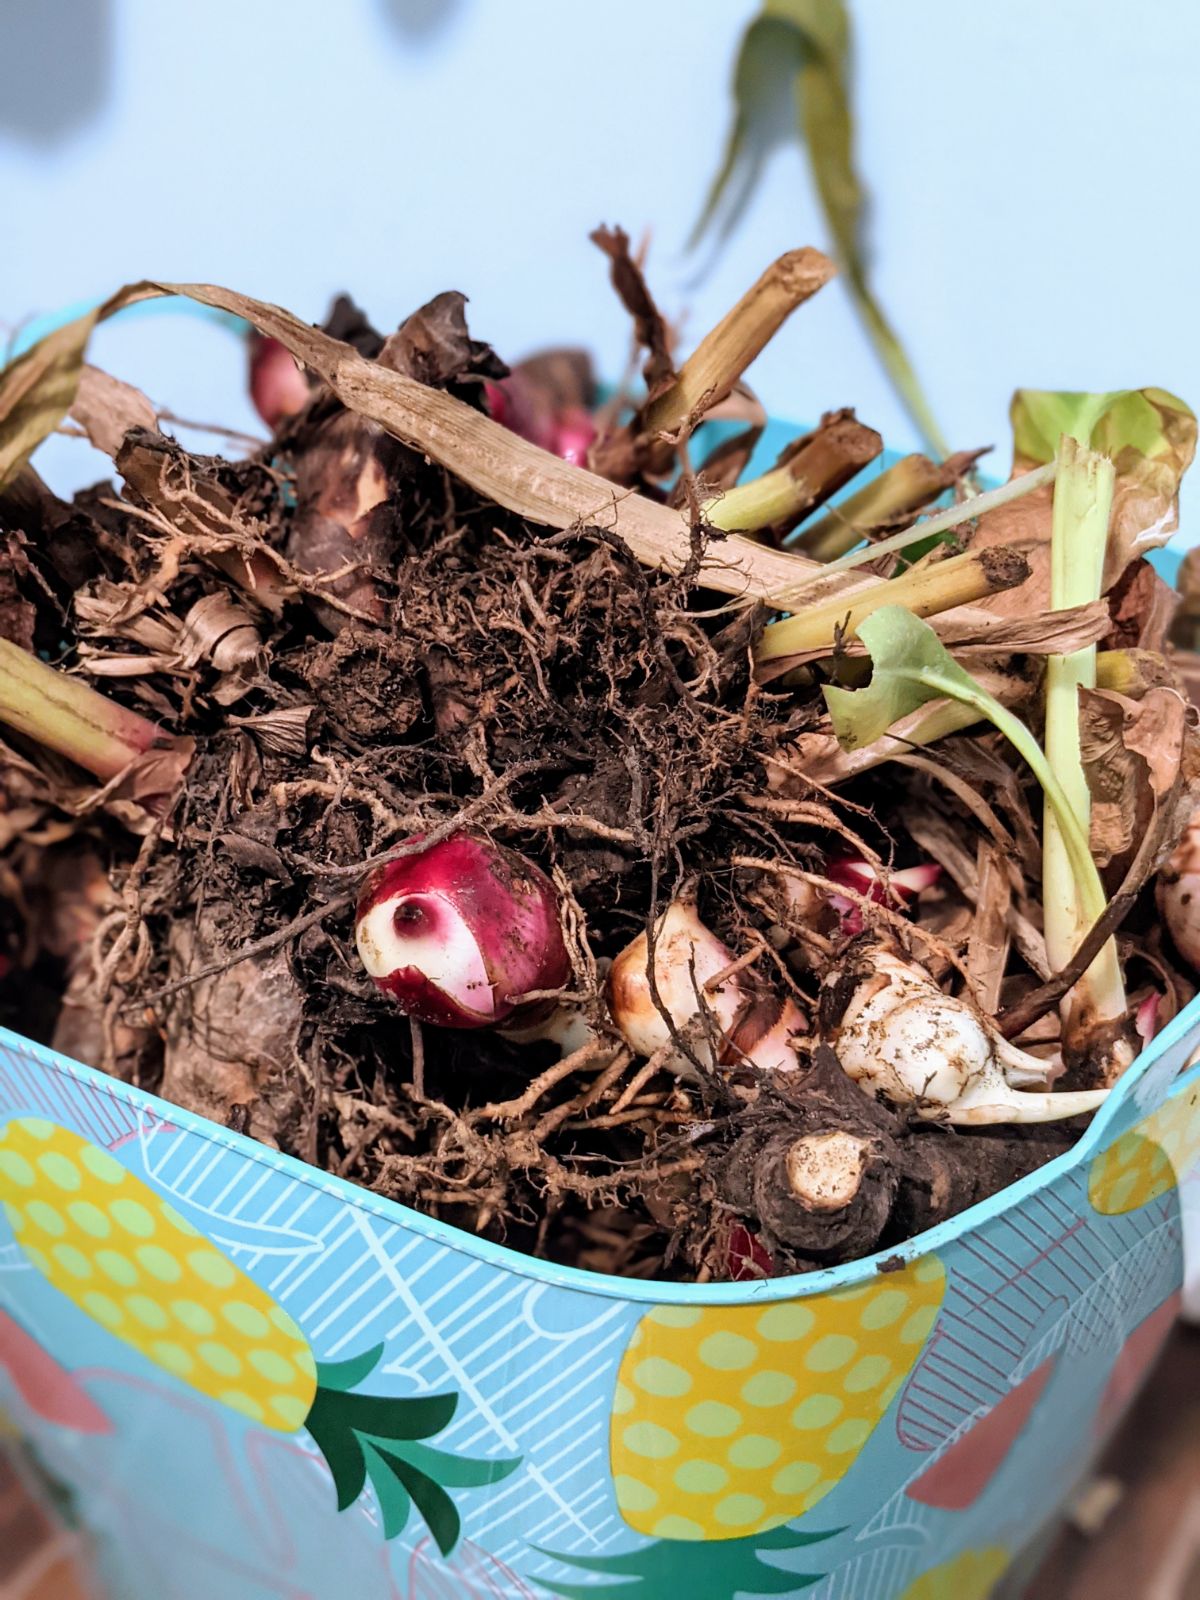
[[278, 387], [457, 933], [568, 432]]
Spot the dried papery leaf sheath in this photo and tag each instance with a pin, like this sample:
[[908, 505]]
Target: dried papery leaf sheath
[[746, 1023], [64, 715]]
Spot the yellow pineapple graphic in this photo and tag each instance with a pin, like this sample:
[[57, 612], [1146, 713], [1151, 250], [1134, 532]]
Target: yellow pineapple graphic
[[970, 1576], [129, 1260], [732, 1420], [1150, 1159]]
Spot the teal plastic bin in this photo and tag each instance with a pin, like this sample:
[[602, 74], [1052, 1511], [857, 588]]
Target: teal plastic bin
[[254, 1380]]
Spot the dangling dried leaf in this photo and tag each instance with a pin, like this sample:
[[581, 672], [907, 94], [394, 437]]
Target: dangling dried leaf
[[38, 388], [493, 461], [792, 79], [649, 326]]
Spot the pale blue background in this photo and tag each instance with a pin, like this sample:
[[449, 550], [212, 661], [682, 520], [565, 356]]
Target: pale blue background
[[1032, 160]]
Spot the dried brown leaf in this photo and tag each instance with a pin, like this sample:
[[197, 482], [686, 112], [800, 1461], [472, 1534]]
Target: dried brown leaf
[[283, 731], [988, 945], [649, 326], [1045, 633], [434, 346], [1142, 760], [39, 387], [217, 630], [495, 462]]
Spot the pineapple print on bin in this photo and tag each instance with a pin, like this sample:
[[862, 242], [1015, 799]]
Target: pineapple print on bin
[[133, 1264], [1149, 1159], [730, 1422]]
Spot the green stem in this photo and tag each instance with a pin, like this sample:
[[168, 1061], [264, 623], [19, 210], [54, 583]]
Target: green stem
[[1075, 841], [1079, 538], [777, 496]]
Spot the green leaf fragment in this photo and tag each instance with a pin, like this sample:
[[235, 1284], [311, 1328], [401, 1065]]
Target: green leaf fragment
[[1149, 422], [911, 666], [1149, 435], [904, 651], [716, 1569]]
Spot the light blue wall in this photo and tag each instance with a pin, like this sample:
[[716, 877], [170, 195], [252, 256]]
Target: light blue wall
[[1033, 163]]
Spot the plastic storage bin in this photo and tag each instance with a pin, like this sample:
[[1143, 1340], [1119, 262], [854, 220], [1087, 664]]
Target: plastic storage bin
[[199, 1339]]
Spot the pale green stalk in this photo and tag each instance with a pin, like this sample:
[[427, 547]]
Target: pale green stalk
[[1059, 810], [1082, 507], [777, 496], [66, 715]]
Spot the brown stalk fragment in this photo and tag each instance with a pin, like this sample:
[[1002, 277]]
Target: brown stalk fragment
[[925, 590], [724, 353]]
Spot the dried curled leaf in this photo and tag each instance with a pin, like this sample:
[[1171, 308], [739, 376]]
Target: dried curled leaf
[[106, 409], [1142, 762], [649, 326], [38, 388]]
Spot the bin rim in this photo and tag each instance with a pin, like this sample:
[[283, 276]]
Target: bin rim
[[639, 1291]]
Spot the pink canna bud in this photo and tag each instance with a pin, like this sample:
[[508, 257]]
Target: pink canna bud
[[753, 1024], [574, 435], [899, 888], [522, 409], [1145, 1018], [278, 387], [457, 933]]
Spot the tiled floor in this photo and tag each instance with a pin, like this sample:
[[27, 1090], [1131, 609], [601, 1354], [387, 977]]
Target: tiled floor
[[1142, 1512]]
